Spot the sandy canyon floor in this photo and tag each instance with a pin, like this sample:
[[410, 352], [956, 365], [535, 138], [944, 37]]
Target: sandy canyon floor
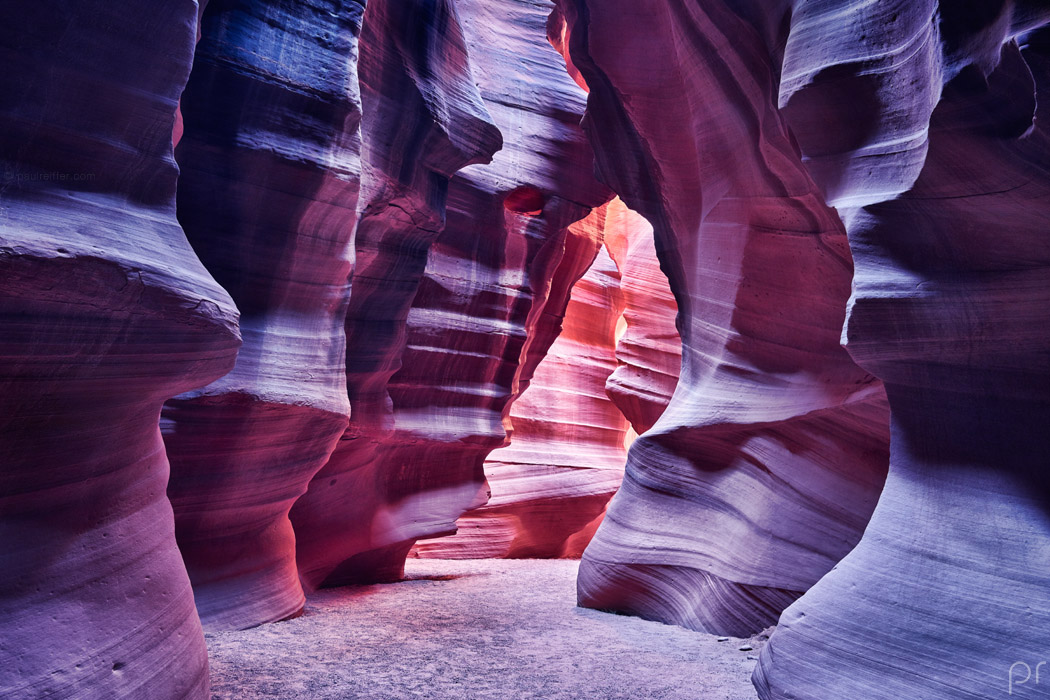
[[479, 630]]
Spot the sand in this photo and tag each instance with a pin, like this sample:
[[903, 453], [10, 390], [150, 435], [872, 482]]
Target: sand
[[480, 629]]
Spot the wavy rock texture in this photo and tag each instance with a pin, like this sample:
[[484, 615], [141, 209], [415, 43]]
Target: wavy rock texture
[[105, 312], [423, 120], [497, 280], [550, 486], [763, 471], [270, 159], [950, 308], [649, 349], [179, 126], [566, 455]]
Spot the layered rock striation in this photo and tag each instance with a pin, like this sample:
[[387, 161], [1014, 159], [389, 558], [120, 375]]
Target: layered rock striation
[[802, 167], [566, 453], [105, 312], [764, 468], [949, 308], [550, 486], [270, 160], [459, 337], [648, 347], [423, 120]]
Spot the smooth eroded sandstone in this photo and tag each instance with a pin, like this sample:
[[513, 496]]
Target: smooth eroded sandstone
[[105, 312], [949, 308], [762, 471], [550, 485], [267, 195], [423, 120], [648, 347], [444, 349]]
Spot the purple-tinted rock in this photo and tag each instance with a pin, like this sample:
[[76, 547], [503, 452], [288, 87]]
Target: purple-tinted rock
[[549, 486], [270, 159], [949, 308], [762, 472], [496, 283], [105, 312], [423, 121]]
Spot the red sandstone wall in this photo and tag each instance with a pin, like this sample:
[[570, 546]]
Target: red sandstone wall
[[810, 173]]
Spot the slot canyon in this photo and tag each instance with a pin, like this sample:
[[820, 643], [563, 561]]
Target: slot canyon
[[498, 349]]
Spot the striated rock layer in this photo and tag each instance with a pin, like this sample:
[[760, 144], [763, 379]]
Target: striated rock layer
[[441, 355], [950, 308], [566, 455], [423, 120], [461, 377], [267, 196], [550, 486], [648, 349], [105, 312], [764, 468]]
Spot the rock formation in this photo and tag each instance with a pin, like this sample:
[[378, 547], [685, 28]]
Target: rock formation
[[105, 312], [550, 485], [838, 196], [566, 453], [434, 359], [649, 349], [507, 337], [949, 308], [763, 470], [267, 195], [423, 121]]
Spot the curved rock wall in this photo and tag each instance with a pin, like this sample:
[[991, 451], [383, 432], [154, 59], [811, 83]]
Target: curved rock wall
[[267, 196], [649, 349], [423, 120], [949, 307], [550, 486], [105, 312], [764, 469], [733, 127], [566, 453], [496, 283]]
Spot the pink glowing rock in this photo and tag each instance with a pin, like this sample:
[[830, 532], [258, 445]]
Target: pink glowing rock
[[949, 307], [566, 455], [764, 468], [105, 312], [268, 194], [550, 486], [423, 120], [434, 359], [649, 349]]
